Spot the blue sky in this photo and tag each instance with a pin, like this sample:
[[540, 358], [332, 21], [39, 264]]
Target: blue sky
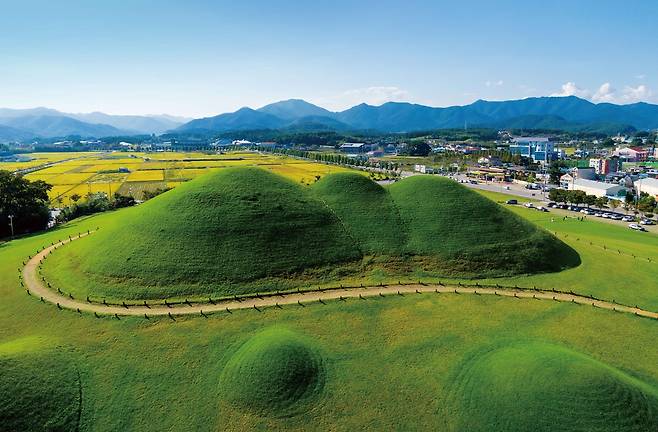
[[198, 58]]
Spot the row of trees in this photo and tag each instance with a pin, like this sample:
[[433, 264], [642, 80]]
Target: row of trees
[[579, 197], [94, 203], [644, 203], [338, 159]]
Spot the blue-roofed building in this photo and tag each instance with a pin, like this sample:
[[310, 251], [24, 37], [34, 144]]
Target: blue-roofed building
[[539, 149]]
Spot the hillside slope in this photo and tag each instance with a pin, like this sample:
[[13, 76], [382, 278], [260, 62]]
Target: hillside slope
[[469, 234], [231, 226]]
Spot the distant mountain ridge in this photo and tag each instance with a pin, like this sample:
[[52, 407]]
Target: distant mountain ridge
[[22, 124], [571, 113], [548, 113]]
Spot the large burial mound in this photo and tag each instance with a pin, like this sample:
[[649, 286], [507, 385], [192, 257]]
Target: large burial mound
[[38, 391], [542, 387], [276, 373], [470, 234], [245, 229], [231, 226]]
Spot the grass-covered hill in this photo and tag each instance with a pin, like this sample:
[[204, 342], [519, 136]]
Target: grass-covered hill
[[245, 229], [275, 373], [231, 226], [366, 209], [468, 233], [39, 390], [543, 387]]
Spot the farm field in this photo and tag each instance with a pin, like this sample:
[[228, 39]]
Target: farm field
[[133, 173]]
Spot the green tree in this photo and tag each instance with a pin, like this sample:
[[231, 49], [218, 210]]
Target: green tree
[[601, 201], [589, 200], [417, 148], [25, 201], [646, 204]]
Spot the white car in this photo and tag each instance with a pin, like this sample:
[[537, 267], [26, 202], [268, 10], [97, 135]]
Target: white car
[[529, 205], [615, 217], [646, 222], [636, 227], [628, 219]]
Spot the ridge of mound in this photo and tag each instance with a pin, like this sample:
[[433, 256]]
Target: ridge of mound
[[276, 373], [472, 234], [39, 391], [366, 210], [543, 387], [232, 225]]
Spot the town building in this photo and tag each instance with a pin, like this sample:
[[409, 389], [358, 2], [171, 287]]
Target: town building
[[648, 185], [632, 154], [604, 166], [354, 148], [576, 173], [597, 188], [539, 149]]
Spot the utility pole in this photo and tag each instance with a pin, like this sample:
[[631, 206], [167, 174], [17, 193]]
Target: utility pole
[[11, 224]]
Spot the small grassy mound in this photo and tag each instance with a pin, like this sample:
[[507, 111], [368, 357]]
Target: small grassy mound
[[38, 391], [472, 235], [229, 226], [366, 210], [542, 387], [276, 373]]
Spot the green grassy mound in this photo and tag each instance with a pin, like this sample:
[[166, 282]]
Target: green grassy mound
[[243, 230], [276, 373], [229, 226], [472, 235], [366, 210], [542, 387], [38, 391]]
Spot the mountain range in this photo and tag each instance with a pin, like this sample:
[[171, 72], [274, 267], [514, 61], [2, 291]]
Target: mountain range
[[24, 124], [548, 113], [565, 113]]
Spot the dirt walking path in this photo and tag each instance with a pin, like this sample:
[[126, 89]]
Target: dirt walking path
[[36, 287]]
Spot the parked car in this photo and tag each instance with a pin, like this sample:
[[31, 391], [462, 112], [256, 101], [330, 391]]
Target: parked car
[[647, 222], [529, 205], [598, 214], [543, 209], [588, 212], [615, 217], [628, 219], [636, 227], [511, 201], [552, 205]]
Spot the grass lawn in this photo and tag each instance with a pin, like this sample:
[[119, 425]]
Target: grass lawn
[[389, 363]]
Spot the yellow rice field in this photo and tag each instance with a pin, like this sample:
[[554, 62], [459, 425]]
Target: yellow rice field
[[133, 173]]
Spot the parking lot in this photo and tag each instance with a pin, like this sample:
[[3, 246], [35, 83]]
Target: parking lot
[[540, 199]]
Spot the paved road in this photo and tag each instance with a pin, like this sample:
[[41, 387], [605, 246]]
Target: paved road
[[36, 287]]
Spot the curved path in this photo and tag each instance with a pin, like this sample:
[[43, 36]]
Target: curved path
[[35, 286]]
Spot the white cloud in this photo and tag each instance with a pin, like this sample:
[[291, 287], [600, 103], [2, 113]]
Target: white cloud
[[370, 95], [494, 83], [640, 76], [636, 94], [571, 89], [607, 93]]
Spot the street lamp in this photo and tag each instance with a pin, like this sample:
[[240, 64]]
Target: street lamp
[[11, 224]]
